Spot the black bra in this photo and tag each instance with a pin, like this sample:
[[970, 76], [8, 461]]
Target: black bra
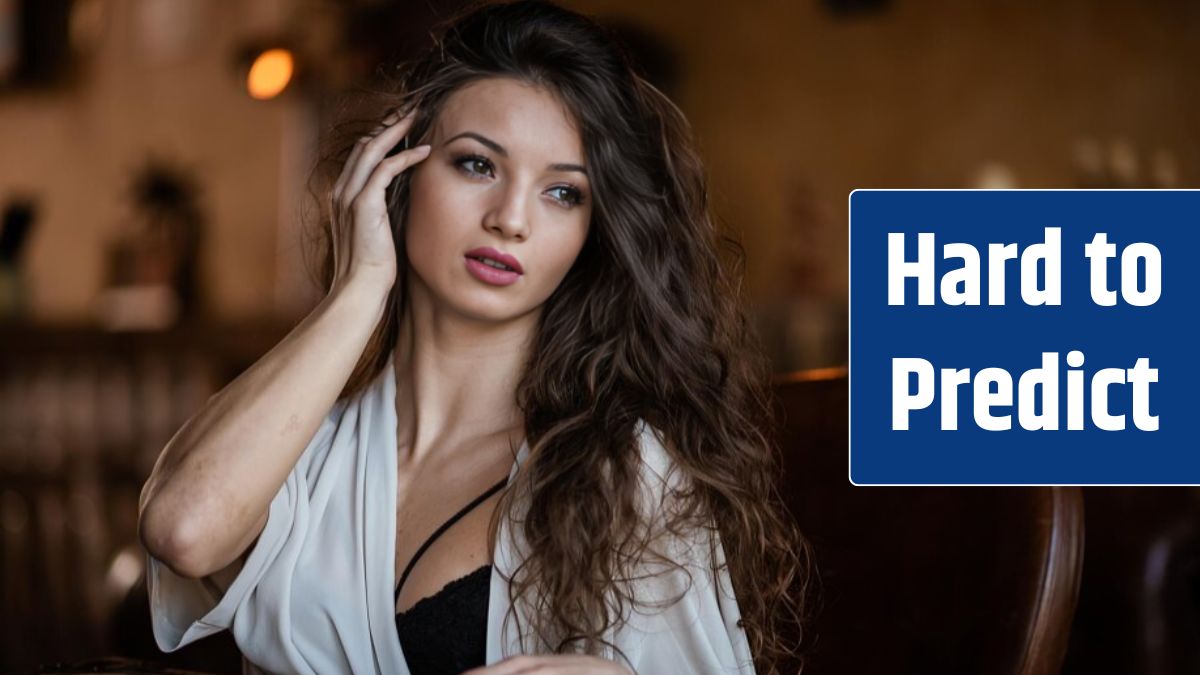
[[447, 631]]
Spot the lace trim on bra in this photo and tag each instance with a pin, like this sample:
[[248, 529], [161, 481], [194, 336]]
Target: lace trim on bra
[[451, 587]]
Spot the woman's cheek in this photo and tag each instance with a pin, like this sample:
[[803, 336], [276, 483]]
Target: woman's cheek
[[566, 252], [429, 213]]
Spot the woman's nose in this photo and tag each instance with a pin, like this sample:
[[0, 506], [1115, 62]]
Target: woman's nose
[[508, 216]]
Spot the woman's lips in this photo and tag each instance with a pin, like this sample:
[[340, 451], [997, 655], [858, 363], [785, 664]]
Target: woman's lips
[[490, 274], [488, 252]]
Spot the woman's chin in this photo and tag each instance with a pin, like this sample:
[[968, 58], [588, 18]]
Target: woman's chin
[[489, 309]]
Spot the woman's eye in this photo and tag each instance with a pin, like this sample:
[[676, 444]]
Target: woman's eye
[[479, 166], [475, 165], [567, 194]]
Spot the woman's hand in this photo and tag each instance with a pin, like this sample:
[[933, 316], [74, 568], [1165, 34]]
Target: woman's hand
[[552, 664], [362, 232]]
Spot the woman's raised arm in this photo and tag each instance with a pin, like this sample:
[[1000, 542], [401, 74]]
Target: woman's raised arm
[[207, 499]]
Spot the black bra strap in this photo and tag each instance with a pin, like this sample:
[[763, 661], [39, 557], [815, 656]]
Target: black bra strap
[[446, 525]]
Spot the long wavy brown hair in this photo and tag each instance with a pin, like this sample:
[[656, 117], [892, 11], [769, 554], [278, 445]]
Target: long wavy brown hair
[[647, 325]]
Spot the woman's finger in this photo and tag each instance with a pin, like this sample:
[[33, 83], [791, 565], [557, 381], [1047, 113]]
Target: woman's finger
[[369, 208], [357, 150], [388, 169], [339, 187], [348, 168], [371, 153], [508, 666], [550, 664]]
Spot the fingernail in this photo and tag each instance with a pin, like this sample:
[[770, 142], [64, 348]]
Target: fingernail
[[424, 149], [392, 119]]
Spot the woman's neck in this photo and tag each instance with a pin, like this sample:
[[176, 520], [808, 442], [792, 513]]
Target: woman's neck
[[456, 377]]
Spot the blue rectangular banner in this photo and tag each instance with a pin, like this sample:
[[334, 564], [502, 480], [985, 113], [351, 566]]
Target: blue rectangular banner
[[1024, 337]]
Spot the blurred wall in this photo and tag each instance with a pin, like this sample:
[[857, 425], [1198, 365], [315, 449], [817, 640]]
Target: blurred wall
[[794, 105], [160, 81]]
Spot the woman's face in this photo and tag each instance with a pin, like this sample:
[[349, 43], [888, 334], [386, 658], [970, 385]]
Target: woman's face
[[506, 173]]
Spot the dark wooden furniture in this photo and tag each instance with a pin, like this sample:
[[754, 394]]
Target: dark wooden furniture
[[1139, 608], [83, 415], [926, 580]]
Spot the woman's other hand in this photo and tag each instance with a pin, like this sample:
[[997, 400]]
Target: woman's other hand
[[362, 232], [552, 664]]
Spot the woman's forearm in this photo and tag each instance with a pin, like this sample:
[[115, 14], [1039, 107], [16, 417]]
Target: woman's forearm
[[206, 500]]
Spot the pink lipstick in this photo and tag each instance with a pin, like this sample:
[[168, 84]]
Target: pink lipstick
[[493, 267]]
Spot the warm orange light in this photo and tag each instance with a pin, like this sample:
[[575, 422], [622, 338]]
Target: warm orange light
[[270, 74]]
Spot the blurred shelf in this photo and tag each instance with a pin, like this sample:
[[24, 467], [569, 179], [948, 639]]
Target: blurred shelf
[[235, 344]]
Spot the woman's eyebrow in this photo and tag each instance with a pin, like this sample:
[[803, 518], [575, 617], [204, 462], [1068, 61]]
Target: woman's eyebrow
[[568, 167], [499, 150], [493, 145]]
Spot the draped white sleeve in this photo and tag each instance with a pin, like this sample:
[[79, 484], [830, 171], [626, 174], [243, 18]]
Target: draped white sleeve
[[313, 595]]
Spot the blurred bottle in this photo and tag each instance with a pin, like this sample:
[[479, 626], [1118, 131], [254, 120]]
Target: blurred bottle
[[1123, 164], [1164, 170], [152, 277], [1088, 161], [15, 226]]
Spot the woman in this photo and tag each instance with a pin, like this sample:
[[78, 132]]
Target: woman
[[527, 408]]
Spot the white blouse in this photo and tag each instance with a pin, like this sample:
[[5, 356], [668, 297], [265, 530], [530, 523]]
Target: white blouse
[[315, 594]]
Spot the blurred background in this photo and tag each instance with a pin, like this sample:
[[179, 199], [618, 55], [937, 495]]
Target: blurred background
[[153, 159]]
